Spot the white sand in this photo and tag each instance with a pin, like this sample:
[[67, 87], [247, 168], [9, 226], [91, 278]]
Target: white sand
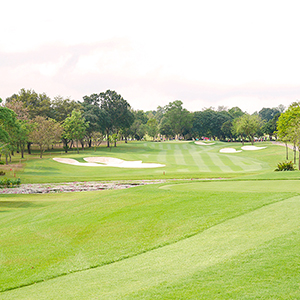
[[204, 144], [229, 150], [252, 148], [108, 162]]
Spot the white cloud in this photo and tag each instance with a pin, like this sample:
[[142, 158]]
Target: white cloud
[[206, 53]]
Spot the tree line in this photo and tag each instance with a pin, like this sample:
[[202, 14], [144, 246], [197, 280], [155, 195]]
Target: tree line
[[289, 128], [28, 118]]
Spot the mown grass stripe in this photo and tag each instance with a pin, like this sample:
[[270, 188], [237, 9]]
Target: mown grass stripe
[[198, 161], [245, 163], [234, 165], [217, 159], [179, 158], [171, 263], [162, 156], [210, 163]]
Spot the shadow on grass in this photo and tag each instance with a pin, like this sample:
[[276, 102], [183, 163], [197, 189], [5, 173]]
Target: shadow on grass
[[17, 204]]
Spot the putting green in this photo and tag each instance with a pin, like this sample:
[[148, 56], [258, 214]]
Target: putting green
[[174, 262]]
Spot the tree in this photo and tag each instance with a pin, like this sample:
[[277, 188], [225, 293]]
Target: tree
[[227, 129], [152, 128], [179, 118], [140, 115], [270, 127], [8, 125], [138, 130], [118, 115], [283, 124], [22, 135], [63, 107], [19, 108], [221, 117], [75, 127], [165, 128], [45, 132], [36, 104], [204, 123], [235, 112], [248, 126], [7, 121], [94, 115], [287, 126], [268, 114]]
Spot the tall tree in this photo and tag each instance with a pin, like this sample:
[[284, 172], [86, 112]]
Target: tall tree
[[152, 128], [268, 114], [287, 126], [8, 126], [270, 127], [248, 126], [19, 108], [94, 115], [204, 123], [37, 104], [165, 128], [179, 118], [45, 132], [118, 114], [75, 127], [63, 107], [235, 112], [227, 129]]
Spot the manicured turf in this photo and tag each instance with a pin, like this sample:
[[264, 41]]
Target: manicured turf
[[223, 230], [182, 160], [184, 239]]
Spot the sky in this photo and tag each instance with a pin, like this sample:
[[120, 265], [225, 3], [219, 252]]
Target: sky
[[204, 53]]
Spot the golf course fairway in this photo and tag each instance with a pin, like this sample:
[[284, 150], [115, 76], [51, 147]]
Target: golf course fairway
[[227, 227]]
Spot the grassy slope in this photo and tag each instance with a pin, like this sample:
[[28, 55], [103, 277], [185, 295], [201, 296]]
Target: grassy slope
[[60, 234], [163, 271]]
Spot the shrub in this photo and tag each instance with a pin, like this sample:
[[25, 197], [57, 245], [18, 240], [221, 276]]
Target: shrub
[[2, 173], [9, 183], [285, 166], [1, 162]]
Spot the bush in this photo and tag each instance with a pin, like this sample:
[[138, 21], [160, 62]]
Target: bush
[[1, 162], [2, 173], [285, 166], [9, 183]]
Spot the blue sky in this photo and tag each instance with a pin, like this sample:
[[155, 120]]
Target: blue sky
[[205, 53]]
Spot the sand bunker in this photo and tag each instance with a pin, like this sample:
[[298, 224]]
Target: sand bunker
[[108, 162], [229, 150], [204, 144], [252, 148]]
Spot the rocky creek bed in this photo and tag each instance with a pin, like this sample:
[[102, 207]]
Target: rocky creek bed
[[75, 187]]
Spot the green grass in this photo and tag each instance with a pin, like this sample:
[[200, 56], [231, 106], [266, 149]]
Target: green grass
[[236, 238], [233, 226], [182, 160]]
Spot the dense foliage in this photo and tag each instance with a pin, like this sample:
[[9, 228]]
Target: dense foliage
[[285, 166]]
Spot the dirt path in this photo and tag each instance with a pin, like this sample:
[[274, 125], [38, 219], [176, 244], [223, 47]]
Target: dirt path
[[283, 144]]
